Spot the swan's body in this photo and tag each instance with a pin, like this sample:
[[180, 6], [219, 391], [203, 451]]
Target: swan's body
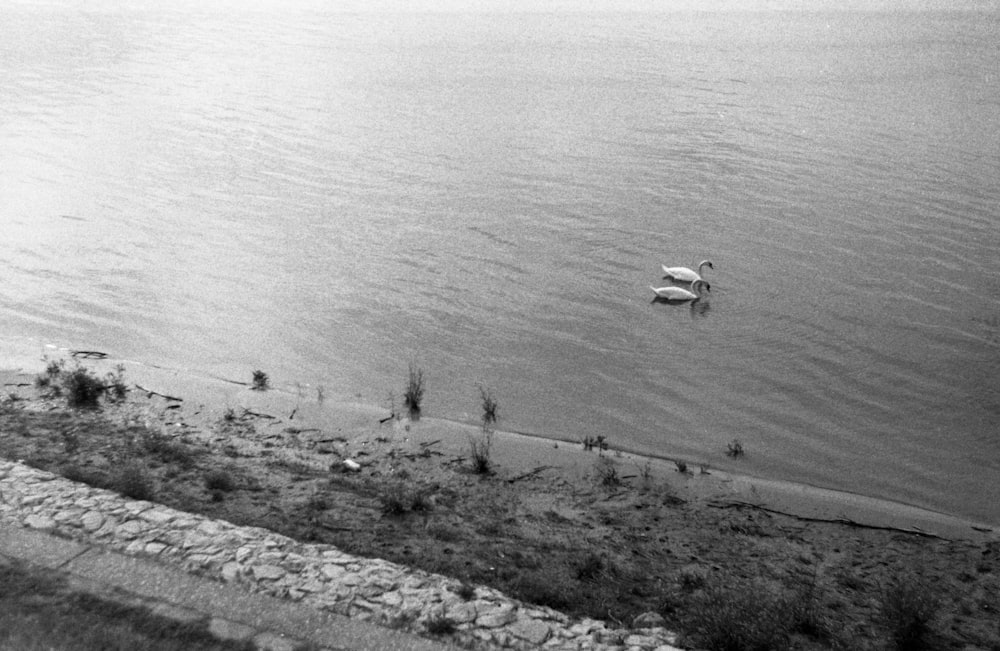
[[685, 275], [673, 293]]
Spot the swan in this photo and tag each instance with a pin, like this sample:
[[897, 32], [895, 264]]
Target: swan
[[685, 275], [673, 293]]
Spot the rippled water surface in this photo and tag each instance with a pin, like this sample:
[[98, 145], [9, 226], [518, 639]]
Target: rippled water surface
[[331, 196]]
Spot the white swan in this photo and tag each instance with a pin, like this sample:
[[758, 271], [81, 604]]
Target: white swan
[[685, 275], [673, 293]]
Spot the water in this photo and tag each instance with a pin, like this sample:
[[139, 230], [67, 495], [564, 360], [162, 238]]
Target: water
[[330, 196]]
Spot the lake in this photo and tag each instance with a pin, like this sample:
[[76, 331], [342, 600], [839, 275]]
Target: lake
[[489, 193]]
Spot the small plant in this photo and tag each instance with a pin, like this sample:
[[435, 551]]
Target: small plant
[[682, 466], [489, 405], [735, 449], [908, 609], [133, 481], [219, 480], [414, 393], [479, 452], [606, 472], [260, 381], [591, 442], [229, 415]]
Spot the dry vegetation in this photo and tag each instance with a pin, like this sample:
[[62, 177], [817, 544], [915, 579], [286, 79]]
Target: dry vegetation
[[613, 547]]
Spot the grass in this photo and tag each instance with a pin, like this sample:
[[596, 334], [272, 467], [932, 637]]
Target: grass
[[39, 612], [606, 473], [732, 614], [413, 395], [479, 452]]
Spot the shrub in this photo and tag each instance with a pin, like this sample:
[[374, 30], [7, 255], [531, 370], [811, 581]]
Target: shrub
[[260, 381], [682, 466], [735, 449], [414, 393], [219, 480], [908, 608], [82, 388]]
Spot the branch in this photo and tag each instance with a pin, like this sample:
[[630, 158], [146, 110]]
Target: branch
[[150, 393], [845, 521]]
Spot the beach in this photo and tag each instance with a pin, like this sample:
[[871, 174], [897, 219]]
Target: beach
[[589, 531]]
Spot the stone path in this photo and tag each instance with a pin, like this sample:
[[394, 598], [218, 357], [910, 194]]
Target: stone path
[[319, 576]]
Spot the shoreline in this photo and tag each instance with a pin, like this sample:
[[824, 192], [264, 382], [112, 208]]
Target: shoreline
[[609, 539], [523, 452]]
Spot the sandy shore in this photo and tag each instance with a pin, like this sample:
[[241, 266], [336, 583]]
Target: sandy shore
[[544, 516]]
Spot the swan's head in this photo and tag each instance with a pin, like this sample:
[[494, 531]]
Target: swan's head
[[706, 263]]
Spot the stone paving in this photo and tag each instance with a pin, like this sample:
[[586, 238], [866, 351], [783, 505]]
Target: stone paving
[[318, 575]]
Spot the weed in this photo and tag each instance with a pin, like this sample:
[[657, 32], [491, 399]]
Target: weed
[[590, 567], [908, 607], [132, 480], [489, 405], [692, 577], [479, 452], [414, 393], [260, 381], [735, 449], [682, 466], [219, 480]]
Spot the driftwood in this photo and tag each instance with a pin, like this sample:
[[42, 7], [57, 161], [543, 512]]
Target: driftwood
[[88, 354], [257, 414], [530, 473], [150, 392], [719, 504]]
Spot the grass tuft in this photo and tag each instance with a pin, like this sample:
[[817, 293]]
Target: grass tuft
[[414, 393], [735, 449]]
